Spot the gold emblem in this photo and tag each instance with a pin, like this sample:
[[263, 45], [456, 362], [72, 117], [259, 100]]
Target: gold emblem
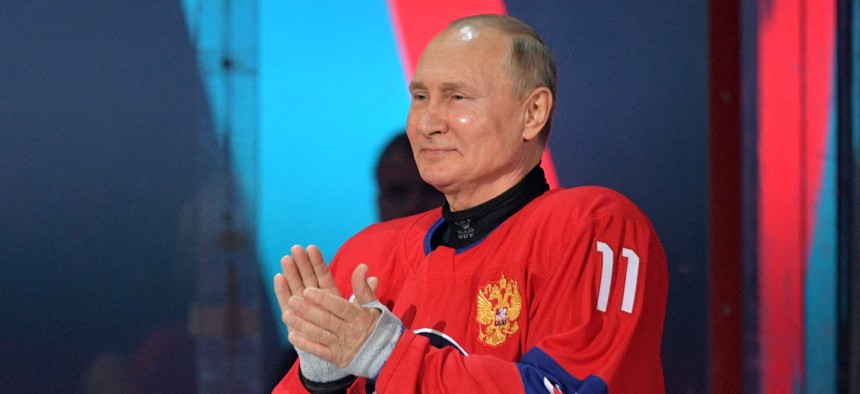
[[499, 305]]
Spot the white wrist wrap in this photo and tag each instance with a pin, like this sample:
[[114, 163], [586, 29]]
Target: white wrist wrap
[[378, 346], [318, 370]]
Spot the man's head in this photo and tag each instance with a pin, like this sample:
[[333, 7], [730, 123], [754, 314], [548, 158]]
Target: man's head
[[482, 99], [530, 63]]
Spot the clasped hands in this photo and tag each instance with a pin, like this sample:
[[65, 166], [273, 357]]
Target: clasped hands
[[321, 321]]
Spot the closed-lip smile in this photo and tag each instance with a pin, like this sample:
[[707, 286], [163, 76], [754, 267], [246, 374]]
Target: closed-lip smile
[[437, 149], [437, 152]]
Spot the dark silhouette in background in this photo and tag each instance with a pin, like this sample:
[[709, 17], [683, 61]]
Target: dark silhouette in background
[[401, 190]]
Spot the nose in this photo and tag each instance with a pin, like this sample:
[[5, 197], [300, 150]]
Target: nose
[[431, 119]]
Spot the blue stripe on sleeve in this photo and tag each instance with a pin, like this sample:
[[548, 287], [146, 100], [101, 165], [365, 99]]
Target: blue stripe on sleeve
[[535, 366]]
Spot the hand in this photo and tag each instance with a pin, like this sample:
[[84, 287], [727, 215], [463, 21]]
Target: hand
[[302, 270], [325, 325]]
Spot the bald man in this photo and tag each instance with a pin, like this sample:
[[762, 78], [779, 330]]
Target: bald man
[[509, 287]]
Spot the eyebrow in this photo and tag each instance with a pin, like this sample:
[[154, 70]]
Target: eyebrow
[[416, 85]]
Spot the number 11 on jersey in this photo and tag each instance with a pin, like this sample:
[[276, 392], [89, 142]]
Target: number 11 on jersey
[[606, 277]]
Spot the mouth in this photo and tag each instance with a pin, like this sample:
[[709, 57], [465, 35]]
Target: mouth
[[436, 153]]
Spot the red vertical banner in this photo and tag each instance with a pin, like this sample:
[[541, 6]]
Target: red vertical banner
[[415, 24], [795, 60], [726, 190], [782, 229]]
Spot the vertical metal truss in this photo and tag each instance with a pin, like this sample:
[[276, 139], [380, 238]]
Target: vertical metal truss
[[226, 317], [750, 350], [848, 173]]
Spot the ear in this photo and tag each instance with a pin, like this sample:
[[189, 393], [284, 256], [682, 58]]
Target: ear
[[537, 106]]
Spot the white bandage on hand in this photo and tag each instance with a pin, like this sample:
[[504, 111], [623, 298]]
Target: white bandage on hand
[[318, 370], [378, 346]]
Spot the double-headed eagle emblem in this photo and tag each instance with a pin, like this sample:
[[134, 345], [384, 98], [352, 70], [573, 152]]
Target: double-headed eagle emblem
[[499, 305]]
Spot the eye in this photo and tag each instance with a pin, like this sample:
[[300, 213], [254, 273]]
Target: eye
[[418, 97], [458, 97]]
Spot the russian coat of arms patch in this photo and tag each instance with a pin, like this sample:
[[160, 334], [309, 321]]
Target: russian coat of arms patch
[[499, 305]]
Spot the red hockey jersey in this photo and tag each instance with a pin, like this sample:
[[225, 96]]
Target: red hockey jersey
[[567, 295]]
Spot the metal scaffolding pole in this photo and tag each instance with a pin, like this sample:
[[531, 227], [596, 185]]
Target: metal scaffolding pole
[[230, 305]]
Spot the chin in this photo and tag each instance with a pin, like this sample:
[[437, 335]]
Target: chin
[[439, 184], [438, 181]]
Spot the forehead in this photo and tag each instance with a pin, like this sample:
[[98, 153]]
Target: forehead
[[464, 52]]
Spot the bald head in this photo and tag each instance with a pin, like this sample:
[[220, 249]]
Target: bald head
[[530, 63]]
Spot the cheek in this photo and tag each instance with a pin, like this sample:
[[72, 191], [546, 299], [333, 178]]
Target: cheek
[[463, 119], [411, 125], [467, 115], [478, 115]]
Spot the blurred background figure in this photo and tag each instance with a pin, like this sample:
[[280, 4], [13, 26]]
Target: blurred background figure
[[401, 190]]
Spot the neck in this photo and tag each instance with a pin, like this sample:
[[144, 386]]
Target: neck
[[465, 227], [470, 197]]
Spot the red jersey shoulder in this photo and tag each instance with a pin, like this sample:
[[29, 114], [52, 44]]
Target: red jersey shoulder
[[382, 246], [586, 202], [567, 222], [382, 237]]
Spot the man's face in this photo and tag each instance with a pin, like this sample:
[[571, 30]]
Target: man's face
[[465, 123]]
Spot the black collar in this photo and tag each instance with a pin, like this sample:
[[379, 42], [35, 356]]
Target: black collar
[[464, 228]]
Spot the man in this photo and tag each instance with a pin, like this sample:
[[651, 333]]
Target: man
[[509, 287]]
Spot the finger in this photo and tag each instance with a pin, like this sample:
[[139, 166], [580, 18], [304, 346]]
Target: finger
[[350, 323], [373, 282], [321, 271], [282, 291], [330, 310], [302, 343], [362, 290], [291, 274], [304, 267], [308, 329], [314, 312]]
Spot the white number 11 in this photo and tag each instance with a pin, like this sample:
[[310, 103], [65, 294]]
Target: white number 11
[[606, 277]]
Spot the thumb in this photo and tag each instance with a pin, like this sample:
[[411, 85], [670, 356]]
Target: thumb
[[360, 286], [374, 283]]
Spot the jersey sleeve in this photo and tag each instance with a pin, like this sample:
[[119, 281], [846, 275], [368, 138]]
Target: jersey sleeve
[[595, 320], [598, 322], [291, 383]]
